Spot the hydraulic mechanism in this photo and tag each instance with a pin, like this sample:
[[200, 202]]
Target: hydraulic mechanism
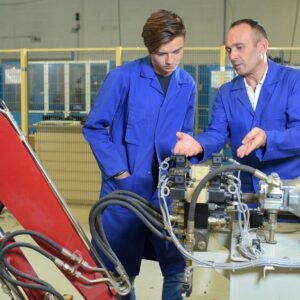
[[30, 196]]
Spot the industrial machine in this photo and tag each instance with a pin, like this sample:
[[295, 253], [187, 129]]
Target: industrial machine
[[195, 202], [262, 260], [30, 196]]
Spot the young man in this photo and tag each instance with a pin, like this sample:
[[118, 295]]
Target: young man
[[258, 111], [131, 129]]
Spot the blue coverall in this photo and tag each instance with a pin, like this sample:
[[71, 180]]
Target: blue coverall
[[131, 121], [277, 113]]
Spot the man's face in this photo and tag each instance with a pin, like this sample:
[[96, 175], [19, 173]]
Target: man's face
[[168, 56], [245, 52]]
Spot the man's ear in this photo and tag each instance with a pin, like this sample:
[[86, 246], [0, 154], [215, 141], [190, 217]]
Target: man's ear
[[263, 45]]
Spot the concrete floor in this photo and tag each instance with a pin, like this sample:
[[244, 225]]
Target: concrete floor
[[208, 284]]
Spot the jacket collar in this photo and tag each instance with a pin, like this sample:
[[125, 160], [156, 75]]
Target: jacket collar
[[274, 75], [177, 79], [147, 71]]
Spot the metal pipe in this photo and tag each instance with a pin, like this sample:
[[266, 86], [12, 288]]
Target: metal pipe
[[24, 91], [272, 223]]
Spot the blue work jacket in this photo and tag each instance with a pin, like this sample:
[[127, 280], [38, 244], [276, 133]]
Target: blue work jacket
[[131, 121], [277, 113]]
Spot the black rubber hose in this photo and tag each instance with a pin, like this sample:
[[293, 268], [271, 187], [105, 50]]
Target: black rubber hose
[[43, 285], [32, 233], [148, 214], [208, 177], [131, 194], [14, 282], [151, 213], [94, 220], [1, 207], [14, 290], [22, 284], [18, 272], [143, 215], [134, 198], [102, 244]]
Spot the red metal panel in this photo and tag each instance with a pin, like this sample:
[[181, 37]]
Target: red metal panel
[[29, 197]]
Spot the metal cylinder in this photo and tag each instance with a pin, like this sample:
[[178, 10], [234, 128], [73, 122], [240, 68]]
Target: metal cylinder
[[272, 223]]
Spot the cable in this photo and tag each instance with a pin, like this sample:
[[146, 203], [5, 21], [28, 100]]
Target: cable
[[18, 272], [40, 236], [211, 175], [8, 243], [44, 286], [1, 207], [149, 215]]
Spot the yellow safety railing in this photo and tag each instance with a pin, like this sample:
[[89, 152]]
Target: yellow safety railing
[[24, 57]]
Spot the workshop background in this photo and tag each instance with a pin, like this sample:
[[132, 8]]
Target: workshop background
[[55, 54]]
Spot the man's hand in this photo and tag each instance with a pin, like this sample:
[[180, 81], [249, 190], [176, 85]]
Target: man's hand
[[187, 145], [254, 139], [123, 175]]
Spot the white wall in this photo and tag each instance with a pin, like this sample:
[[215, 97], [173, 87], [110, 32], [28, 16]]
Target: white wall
[[53, 20]]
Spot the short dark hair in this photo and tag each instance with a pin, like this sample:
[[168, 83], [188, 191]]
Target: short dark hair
[[160, 28], [253, 24]]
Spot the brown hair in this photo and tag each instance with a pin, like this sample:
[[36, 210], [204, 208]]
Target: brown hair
[[256, 26], [160, 28]]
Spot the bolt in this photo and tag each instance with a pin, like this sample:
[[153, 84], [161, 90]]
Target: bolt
[[201, 245]]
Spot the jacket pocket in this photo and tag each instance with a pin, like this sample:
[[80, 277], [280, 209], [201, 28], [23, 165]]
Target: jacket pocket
[[123, 184], [136, 126], [275, 123]]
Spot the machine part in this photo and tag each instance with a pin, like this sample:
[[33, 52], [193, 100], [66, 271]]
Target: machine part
[[26, 190], [276, 199], [213, 173], [11, 291], [187, 286], [227, 182], [277, 283], [256, 219], [292, 196], [179, 178], [271, 197], [272, 222]]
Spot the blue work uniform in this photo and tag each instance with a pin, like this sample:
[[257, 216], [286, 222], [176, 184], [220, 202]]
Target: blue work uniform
[[131, 123], [277, 113]]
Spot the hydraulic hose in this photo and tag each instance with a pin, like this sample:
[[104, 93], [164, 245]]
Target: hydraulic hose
[[43, 286], [1, 207], [97, 230], [148, 211], [32, 233], [8, 243], [211, 175], [149, 215], [18, 272]]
